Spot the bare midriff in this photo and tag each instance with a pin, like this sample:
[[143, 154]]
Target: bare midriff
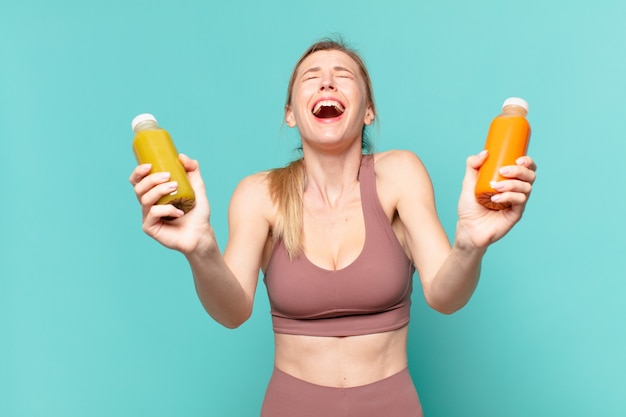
[[342, 361]]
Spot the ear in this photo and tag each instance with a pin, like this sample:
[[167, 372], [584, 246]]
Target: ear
[[369, 116], [289, 117]]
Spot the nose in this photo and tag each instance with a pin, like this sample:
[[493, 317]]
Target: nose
[[327, 83]]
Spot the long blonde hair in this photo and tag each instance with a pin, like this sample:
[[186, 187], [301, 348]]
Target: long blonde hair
[[287, 183]]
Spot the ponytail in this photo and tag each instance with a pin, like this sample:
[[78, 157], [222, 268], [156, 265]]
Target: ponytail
[[287, 187]]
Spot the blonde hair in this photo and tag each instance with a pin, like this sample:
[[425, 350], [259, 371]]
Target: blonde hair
[[287, 183], [287, 187]]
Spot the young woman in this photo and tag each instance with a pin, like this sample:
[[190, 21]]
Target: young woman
[[338, 235]]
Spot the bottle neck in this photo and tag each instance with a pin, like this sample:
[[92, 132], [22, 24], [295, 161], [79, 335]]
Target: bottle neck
[[146, 125], [513, 110]]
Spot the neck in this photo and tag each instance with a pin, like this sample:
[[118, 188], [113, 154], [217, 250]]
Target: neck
[[331, 176]]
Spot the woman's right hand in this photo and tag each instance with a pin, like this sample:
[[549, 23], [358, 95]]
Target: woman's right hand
[[185, 232]]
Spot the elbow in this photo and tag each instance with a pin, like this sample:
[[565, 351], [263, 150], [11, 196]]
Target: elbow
[[446, 310], [234, 321], [443, 307], [232, 325], [230, 315]]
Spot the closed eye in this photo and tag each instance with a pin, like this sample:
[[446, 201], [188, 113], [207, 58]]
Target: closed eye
[[311, 73], [342, 72]]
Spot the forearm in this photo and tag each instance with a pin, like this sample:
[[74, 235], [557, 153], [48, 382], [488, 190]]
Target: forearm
[[219, 291], [456, 279]]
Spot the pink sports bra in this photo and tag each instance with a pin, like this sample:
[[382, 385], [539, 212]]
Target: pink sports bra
[[371, 295]]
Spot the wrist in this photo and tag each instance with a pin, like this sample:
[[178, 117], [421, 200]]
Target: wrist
[[206, 245], [464, 243]]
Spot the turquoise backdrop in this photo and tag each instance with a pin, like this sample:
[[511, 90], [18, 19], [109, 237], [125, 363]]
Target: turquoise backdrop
[[96, 319]]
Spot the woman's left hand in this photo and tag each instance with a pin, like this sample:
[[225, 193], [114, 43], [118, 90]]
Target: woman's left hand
[[479, 226]]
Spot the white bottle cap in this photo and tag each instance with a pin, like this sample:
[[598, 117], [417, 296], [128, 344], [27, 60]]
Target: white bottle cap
[[516, 101], [142, 118]]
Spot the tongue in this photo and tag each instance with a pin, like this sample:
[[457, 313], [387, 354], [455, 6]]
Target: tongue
[[328, 112]]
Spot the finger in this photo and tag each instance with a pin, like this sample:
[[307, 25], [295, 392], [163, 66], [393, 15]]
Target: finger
[[149, 182], [156, 215], [154, 194], [139, 173], [528, 162], [515, 186], [512, 198], [519, 172]]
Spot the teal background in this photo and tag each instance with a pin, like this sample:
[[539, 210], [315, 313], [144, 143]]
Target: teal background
[[96, 319]]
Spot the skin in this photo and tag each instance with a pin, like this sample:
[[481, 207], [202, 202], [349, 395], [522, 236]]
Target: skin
[[334, 231]]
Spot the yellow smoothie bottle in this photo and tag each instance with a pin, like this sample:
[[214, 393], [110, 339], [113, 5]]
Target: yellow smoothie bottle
[[154, 145]]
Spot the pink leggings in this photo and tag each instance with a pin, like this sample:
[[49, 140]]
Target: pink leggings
[[288, 396]]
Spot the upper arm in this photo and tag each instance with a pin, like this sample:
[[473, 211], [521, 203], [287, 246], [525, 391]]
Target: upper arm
[[424, 237], [249, 225]]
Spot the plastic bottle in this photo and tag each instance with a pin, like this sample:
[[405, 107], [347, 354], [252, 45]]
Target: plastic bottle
[[507, 140], [154, 145]]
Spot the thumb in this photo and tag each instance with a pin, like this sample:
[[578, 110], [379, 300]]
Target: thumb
[[472, 164], [189, 164], [475, 161]]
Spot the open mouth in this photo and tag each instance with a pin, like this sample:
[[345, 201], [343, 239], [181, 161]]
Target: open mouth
[[328, 109]]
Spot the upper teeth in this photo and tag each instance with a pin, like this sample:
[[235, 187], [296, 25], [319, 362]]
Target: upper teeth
[[328, 103]]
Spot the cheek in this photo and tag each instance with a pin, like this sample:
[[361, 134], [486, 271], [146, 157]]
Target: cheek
[[301, 97], [357, 93]]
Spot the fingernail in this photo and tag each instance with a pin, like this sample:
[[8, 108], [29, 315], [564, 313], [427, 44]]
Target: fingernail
[[496, 185], [496, 197], [520, 161], [172, 185], [483, 153], [164, 176], [505, 170], [146, 167]]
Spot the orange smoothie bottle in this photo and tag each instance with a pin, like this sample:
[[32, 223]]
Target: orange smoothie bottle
[[507, 140], [154, 145]]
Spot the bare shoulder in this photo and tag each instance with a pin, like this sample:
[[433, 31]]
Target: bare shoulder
[[252, 196], [257, 182], [401, 180], [400, 168]]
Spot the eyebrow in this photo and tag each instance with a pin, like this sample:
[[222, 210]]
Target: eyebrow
[[335, 68]]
